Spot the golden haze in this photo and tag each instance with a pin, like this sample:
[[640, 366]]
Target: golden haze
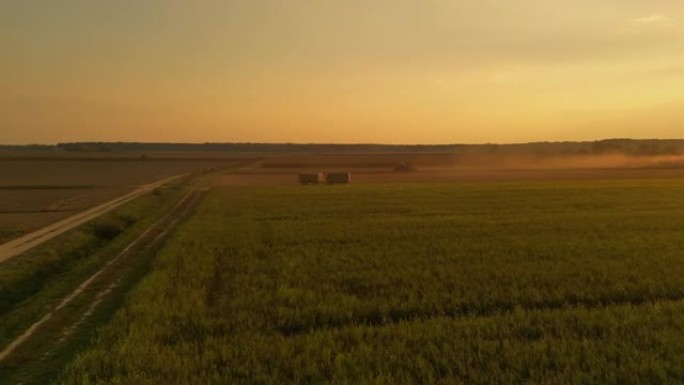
[[389, 71]]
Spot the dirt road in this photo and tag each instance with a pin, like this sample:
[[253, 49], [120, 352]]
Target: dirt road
[[151, 236], [17, 246]]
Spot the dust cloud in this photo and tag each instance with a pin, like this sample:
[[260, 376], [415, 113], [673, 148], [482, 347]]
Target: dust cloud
[[552, 162]]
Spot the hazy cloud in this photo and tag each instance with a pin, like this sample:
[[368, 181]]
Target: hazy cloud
[[654, 20]]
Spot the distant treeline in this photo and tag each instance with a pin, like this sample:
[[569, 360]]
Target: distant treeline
[[609, 146], [27, 147]]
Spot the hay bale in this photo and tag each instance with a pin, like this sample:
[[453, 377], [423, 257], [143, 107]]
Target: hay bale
[[338, 178], [310, 178]]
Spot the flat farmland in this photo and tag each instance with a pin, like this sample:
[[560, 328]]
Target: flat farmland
[[37, 191], [482, 283], [283, 169], [289, 177]]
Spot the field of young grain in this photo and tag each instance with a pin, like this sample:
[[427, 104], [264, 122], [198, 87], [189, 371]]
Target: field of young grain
[[488, 283]]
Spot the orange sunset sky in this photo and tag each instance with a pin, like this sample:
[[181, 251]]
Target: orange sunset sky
[[382, 71]]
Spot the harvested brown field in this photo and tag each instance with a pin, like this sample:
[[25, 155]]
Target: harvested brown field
[[380, 168], [36, 200], [42, 188], [15, 224], [65, 173]]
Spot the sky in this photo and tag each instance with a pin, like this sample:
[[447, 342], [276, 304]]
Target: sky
[[340, 71]]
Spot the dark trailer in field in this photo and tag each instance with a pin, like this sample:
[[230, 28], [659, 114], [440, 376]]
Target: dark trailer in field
[[338, 178], [310, 178]]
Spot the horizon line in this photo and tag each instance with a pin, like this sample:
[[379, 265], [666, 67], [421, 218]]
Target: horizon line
[[57, 144]]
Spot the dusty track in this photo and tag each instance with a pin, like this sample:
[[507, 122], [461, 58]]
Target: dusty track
[[17, 246], [151, 236]]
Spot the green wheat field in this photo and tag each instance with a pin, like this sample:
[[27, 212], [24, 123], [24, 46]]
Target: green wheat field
[[491, 283]]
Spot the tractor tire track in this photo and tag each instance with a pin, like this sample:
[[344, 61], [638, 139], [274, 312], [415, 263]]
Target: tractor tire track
[[150, 237]]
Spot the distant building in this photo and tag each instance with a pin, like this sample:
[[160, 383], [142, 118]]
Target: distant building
[[310, 178], [338, 178]]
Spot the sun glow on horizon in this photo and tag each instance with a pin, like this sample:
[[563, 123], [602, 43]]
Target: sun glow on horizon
[[377, 71]]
